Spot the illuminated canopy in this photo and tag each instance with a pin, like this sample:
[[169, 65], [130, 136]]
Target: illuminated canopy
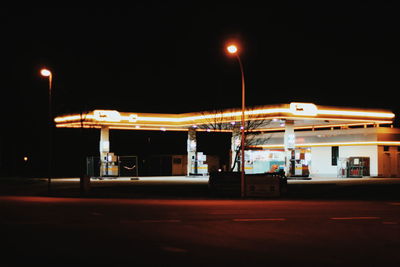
[[271, 118]]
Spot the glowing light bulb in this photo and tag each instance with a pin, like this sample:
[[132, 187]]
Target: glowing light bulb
[[232, 49], [45, 72]]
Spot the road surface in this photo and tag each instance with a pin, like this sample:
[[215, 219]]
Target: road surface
[[182, 232]]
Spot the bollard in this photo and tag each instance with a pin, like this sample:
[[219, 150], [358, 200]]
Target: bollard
[[84, 184]]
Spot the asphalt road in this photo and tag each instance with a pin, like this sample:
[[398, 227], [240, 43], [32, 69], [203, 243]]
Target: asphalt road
[[204, 232]]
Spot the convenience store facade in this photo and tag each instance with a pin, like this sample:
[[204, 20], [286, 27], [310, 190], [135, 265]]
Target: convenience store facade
[[303, 139], [347, 152]]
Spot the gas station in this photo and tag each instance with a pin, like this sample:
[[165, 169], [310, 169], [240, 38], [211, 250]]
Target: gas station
[[302, 139]]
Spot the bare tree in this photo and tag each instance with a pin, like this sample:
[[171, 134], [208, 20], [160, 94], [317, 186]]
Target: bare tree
[[219, 120], [229, 121]]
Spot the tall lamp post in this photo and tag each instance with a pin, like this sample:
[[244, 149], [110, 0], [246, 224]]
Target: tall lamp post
[[47, 73], [233, 50]]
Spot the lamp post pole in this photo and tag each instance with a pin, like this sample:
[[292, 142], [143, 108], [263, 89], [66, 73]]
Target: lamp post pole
[[47, 73], [232, 49], [242, 179]]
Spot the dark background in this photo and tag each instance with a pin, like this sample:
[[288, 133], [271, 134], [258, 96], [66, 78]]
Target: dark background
[[170, 58]]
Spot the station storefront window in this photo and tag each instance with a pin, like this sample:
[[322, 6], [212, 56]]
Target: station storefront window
[[260, 161], [335, 155], [273, 160]]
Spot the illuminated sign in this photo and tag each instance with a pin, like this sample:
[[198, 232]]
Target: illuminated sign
[[105, 145], [191, 145], [133, 118], [107, 115], [290, 141], [303, 109]]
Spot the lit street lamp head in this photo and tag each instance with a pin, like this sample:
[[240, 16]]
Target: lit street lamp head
[[232, 49], [45, 72]]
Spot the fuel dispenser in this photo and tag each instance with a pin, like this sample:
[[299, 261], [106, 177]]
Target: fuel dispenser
[[109, 165], [357, 167], [354, 167], [198, 164], [299, 163]]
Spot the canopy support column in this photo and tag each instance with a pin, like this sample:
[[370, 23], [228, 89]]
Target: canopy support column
[[235, 148], [289, 143], [191, 152], [104, 148]]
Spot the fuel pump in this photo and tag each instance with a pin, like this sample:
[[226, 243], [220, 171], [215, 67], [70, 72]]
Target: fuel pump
[[299, 163], [109, 165], [199, 165]]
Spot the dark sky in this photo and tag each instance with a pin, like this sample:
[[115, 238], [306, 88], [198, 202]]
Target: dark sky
[[170, 58]]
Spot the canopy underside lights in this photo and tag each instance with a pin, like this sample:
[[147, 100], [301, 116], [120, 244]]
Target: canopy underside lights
[[329, 144], [305, 115]]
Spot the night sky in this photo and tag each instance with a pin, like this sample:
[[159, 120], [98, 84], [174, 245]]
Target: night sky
[[170, 58]]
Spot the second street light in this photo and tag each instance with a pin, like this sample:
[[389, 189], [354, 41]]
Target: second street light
[[233, 50], [47, 73]]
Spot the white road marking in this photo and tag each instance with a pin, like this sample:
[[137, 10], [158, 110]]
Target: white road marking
[[174, 249], [355, 218], [149, 221], [259, 220], [223, 212], [160, 221]]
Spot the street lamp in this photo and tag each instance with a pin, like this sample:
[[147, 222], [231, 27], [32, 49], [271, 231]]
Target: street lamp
[[233, 50], [47, 73]]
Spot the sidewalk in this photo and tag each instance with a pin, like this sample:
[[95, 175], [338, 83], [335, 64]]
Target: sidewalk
[[347, 181], [178, 187], [345, 188]]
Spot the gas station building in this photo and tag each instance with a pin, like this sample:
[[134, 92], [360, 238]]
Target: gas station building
[[303, 139]]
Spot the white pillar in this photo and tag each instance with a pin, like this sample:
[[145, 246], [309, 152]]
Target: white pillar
[[104, 140], [235, 145], [191, 152], [289, 142], [104, 147]]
